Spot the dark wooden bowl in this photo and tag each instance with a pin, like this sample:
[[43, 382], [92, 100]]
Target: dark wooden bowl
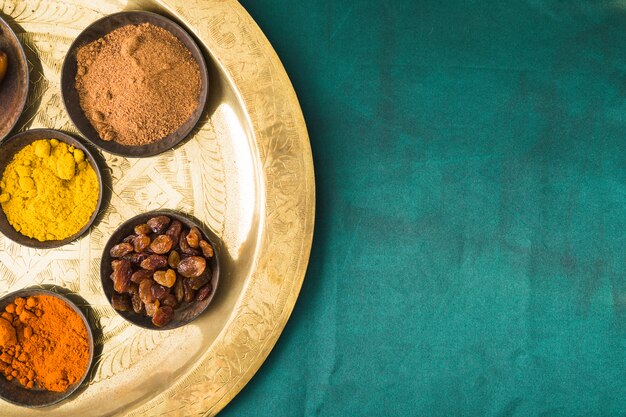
[[14, 144], [187, 312], [71, 99], [14, 87], [12, 391]]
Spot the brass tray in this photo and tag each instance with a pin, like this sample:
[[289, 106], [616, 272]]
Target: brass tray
[[246, 172]]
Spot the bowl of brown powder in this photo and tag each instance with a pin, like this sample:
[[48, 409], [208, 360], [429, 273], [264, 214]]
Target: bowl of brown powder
[[134, 83]]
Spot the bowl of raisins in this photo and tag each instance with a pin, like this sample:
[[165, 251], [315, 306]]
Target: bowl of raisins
[[160, 270]]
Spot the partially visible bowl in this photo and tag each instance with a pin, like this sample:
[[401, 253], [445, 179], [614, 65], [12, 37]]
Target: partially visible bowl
[[188, 311], [14, 144], [71, 99], [14, 87], [12, 391]]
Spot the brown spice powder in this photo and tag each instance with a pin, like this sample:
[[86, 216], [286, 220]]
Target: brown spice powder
[[137, 84]]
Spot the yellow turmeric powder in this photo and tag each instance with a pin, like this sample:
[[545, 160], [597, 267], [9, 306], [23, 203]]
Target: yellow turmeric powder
[[48, 190]]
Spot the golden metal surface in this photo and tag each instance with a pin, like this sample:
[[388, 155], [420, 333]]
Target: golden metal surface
[[247, 172]]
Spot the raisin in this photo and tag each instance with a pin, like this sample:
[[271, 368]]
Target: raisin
[[121, 302], [133, 288], [151, 308], [137, 304], [158, 224], [161, 244], [121, 276], [145, 291], [197, 282], [165, 278], [184, 246], [193, 266], [115, 264], [159, 291], [190, 293], [204, 292], [121, 249], [140, 275], [143, 229], [141, 242], [179, 290], [154, 262], [170, 300], [173, 259], [129, 239], [174, 231], [193, 237], [207, 249], [136, 258], [163, 316]]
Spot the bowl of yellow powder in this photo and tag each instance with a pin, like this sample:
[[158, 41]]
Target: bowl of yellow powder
[[50, 189]]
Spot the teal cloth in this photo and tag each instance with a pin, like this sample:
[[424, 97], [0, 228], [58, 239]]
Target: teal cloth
[[469, 256]]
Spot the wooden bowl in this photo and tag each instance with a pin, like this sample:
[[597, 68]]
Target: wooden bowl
[[14, 144], [71, 99], [14, 87], [182, 315], [12, 391]]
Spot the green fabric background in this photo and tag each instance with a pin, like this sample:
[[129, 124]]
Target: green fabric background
[[469, 256]]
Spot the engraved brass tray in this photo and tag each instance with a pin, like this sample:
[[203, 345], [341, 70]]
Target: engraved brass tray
[[246, 172]]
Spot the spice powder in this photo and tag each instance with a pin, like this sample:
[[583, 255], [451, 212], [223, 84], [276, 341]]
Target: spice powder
[[49, 190], [137, 84], [43, 342]]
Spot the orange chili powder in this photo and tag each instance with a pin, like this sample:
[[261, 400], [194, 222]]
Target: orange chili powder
[[43, 342]]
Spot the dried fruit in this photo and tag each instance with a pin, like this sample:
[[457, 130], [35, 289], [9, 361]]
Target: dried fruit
[[140, 275], [174, 231], [163, 316], [133, 288], [204, 292], [4, 63], [179, 290], [159, 291], [121, 276], [200, 281], [193, 266], [151, 308], [154, 262], [143, 229], [190, 293], [173, 259], [141, 242], [158, 224], [207, 249], [136, 258], [145, 291], [165, 278], [170, 300], [120, 250], [161, 244], [193, 237], [137, 304], [121, 302], [184, 245]]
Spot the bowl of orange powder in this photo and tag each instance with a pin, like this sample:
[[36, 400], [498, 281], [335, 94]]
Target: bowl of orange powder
[[46, 347]]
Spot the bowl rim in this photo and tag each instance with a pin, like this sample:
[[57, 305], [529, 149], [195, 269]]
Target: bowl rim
[[186, 219], [76, 113], [34, 291], [24, 61], [40, 134]]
